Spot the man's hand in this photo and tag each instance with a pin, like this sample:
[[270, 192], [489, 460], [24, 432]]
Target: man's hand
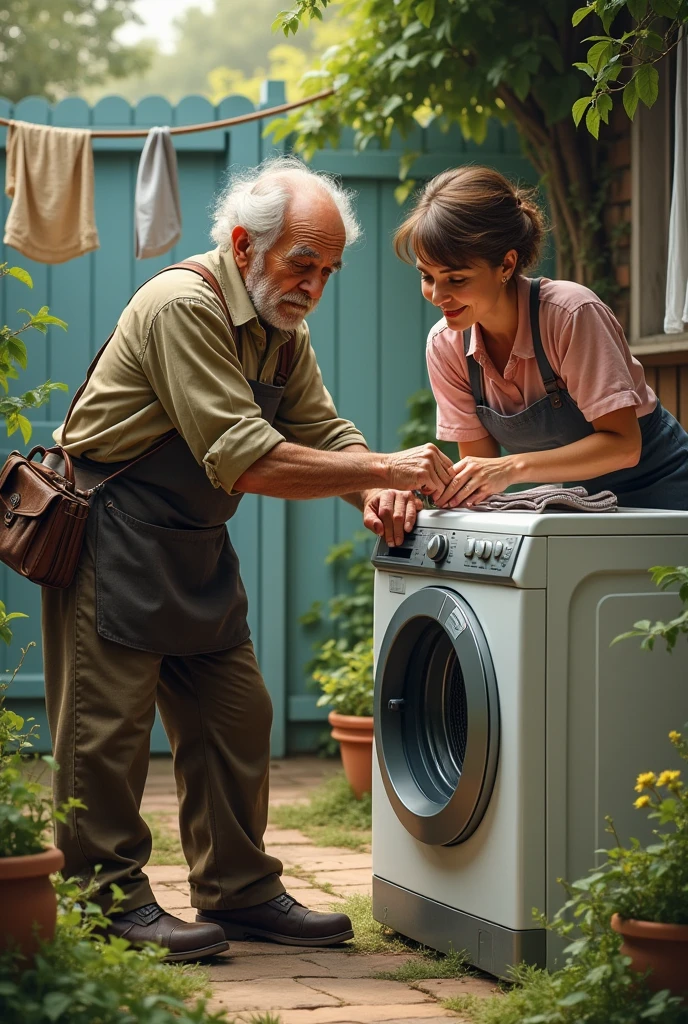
[[424, 468], [390, 513]]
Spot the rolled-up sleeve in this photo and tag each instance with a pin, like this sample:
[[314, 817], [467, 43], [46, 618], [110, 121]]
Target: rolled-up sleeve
[[307, 414], [191, 361]]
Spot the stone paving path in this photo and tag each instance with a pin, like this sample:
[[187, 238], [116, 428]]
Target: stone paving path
[[301, 984]]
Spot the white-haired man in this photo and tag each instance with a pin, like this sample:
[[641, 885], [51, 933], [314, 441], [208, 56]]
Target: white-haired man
[[209, 388]]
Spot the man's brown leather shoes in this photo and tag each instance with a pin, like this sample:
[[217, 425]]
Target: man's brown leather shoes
[[185, 940], [283, 920]]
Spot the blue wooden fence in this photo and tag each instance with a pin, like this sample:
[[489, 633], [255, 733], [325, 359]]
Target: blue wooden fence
[[369, 334]]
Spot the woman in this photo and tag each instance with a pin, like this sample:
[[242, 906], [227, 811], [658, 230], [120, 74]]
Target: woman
[[538, 367]]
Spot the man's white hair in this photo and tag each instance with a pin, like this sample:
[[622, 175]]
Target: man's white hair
[[257, 199]]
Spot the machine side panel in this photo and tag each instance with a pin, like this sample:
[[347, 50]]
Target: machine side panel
[[609, 709]]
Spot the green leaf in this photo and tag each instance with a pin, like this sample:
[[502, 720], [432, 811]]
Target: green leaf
[[647, 84], [599, 53], [21, 275], [391, 105], [581, 13], [604, 105], [519, 80], [630, 98], [579, 108], [665, 8], [55, 1004], [592, 122], [585, 67], [25, 427], [637, 8], [425, 11], [573, 998]]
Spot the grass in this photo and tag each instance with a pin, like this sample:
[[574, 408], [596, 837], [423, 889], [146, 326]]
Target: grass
[[166, 845], [432, 965], [332, 817]]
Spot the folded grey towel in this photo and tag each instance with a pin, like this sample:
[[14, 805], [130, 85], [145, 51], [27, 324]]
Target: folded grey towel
[[549, 497]]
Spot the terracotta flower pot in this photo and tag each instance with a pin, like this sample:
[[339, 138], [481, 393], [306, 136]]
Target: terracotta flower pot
[[27, 898], [355, 735], [660, 948]]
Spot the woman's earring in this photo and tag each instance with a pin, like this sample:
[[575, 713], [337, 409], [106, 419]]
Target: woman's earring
[[504, 280]]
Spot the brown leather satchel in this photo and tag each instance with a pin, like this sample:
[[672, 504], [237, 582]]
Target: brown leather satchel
[[44, 513]]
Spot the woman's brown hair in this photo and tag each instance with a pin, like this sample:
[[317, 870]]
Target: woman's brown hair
[[468, 214]]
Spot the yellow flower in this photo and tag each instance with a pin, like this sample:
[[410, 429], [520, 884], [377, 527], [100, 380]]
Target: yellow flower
[[666, 777], [645, 781], [642, 801], [674, 736]]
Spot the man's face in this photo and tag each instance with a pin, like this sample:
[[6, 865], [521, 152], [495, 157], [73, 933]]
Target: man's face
[[285, 283]]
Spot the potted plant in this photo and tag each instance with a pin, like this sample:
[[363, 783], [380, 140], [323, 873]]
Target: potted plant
[[28, 905], [644, 889], [345, 675]]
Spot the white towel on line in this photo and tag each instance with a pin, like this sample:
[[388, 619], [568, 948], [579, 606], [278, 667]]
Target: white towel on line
[[157, 210]]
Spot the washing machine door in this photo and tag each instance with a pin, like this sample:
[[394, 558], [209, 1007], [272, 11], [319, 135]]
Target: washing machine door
[[436, 717]]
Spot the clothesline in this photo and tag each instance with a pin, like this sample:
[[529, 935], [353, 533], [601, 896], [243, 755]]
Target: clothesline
[[227, 122]]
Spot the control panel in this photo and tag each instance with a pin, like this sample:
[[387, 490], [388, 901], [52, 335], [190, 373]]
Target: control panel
[[459, 553]]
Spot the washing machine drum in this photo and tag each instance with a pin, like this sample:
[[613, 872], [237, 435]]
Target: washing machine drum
[[436, 717]]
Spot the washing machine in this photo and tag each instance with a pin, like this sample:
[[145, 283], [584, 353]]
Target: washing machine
[[507, 725]]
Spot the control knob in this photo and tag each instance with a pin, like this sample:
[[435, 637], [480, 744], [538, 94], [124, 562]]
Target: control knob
[[438, 547]]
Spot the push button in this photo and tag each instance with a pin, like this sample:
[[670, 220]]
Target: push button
[[487, 551], [479, 548], [469, 550], [498, 548]]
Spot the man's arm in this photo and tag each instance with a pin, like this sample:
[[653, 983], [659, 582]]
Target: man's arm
[[293, 471], [385, 511]]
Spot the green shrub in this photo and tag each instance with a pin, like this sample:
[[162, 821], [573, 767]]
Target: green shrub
[[332, 817], [79, 978], [345, 676], [26, 810]]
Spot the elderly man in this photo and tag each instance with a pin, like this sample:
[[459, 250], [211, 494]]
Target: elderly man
[[209, 388]]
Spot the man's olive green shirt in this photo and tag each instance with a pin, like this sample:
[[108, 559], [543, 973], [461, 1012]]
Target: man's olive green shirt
[[174, 363]]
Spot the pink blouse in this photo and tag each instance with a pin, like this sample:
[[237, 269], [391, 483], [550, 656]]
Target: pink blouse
[[583, 342]]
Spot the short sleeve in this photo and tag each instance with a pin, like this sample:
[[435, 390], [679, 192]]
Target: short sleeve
[[457, 419], [595, 361]]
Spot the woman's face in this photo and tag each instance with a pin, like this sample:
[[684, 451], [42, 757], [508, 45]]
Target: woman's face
[[469, 294]]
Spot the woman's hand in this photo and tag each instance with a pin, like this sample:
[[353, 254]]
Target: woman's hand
[[475, 480], [390, 513]]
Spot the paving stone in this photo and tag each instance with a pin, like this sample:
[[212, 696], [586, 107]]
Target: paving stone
[[359, 965], [285, 837], [368, 991], [361, 889], [252, 968], [349, 876], [426, 1012], [448, 988], [266, 994], [315, 858], [250, 947], [292, 882], [171, 873]]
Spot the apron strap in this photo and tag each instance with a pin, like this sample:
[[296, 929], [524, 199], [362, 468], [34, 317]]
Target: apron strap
[[474, 369], [546, 372]]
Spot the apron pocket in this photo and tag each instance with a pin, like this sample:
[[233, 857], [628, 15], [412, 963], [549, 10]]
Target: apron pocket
[[174, 592]]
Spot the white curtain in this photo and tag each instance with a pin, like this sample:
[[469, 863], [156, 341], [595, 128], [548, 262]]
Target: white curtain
[[676, 313]]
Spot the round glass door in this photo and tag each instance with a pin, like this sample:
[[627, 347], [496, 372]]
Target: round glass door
[[436, 717]]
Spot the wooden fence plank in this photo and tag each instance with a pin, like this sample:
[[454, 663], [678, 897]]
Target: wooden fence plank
[[667, 382]]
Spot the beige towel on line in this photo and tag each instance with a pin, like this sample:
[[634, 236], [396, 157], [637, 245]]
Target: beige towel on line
[[50, 179]]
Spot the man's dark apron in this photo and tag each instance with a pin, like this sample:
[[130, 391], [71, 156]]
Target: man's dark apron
[[660, 479], [167, 576]]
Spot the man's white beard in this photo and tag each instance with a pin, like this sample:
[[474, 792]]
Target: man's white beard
[[266, 298]]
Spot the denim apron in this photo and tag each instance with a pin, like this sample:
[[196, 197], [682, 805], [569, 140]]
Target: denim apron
[[660, 479], [167, 575]]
